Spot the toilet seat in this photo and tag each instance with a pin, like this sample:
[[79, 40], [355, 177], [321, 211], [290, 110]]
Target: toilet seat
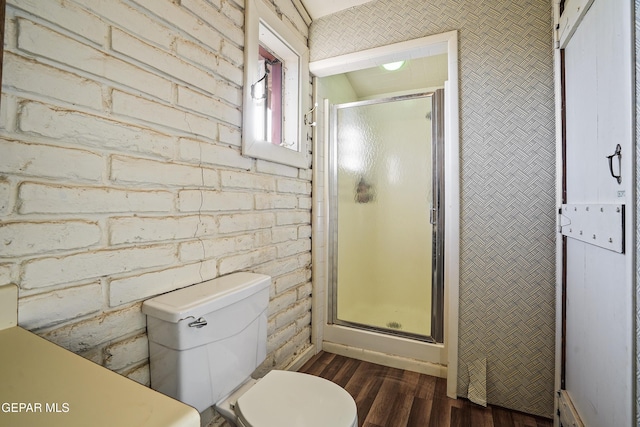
[[294, 399]]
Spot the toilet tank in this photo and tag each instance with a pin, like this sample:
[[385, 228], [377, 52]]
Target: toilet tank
[[205, 340]]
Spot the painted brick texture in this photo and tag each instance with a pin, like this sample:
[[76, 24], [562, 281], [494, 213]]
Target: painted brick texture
[[121, 173]]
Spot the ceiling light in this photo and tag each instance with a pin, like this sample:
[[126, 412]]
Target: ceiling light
[[393, 66]]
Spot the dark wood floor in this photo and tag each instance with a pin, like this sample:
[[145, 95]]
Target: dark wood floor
[[389, 397]]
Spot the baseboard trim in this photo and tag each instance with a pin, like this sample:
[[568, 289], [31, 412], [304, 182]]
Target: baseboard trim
[[302, 358], [567, 413], [392, 361]]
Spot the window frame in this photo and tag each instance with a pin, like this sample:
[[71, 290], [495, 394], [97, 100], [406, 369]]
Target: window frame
[[264, 27]]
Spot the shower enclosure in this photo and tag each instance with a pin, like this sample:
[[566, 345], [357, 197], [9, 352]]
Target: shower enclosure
[[386, 227]]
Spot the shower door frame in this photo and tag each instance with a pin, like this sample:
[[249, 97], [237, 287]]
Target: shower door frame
[[435, 214]]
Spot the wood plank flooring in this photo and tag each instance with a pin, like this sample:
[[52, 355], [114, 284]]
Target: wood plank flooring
[[389, 397]]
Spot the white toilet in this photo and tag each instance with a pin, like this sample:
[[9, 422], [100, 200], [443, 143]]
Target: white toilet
[[206, 340]]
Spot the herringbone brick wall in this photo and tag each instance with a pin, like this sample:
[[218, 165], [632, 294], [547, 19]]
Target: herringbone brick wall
[[507, 176]]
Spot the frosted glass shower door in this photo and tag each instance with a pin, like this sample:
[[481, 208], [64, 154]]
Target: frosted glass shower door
[[382, 198]]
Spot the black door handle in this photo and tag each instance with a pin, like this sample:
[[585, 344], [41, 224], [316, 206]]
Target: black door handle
[[618, 153]]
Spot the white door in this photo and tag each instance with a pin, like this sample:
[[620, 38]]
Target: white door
[[597, 218]]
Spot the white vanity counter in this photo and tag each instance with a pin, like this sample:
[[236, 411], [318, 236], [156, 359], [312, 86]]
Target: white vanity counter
[[42, 384]]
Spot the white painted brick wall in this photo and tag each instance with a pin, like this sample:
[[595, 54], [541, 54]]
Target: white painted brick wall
[[37, 40], [5, 273], [293, 186], [143, 286], [304, 232], [221, 21], [161, 115], [53, 199], [283, 234], [229, 135], [202, 103], [292, 217], [125, 353], [216, 247], [44, 309], [109, 326], [59, 124], [6, 196], [27, 238], [140, 374], [122, 177], [40, 160], [208, 59], [132, 19], [70, 17], [244, 222], [276, 169], [44, 272], [231, 179], [275, 201], [244, 261], [293, 248], [212, 201], [47, 81], [142, 171], [304, 203], [158, 229], [207, 153]]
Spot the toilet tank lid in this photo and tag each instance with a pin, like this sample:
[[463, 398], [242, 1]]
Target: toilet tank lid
[[205, 297]]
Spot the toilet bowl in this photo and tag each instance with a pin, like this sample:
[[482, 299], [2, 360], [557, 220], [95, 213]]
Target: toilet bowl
[[283, 398], [206, 340]]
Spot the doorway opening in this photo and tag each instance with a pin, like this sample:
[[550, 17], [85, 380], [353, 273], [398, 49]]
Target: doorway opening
[[331, 86]]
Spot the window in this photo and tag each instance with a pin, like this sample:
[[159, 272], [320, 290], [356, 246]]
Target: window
[[266, 93], [276, 89]]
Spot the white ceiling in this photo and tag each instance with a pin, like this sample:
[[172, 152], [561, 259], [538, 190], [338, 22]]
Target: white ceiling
[[416, 74], [320, 8]]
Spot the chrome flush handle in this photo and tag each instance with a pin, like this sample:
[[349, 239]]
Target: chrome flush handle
[[199, 323]]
